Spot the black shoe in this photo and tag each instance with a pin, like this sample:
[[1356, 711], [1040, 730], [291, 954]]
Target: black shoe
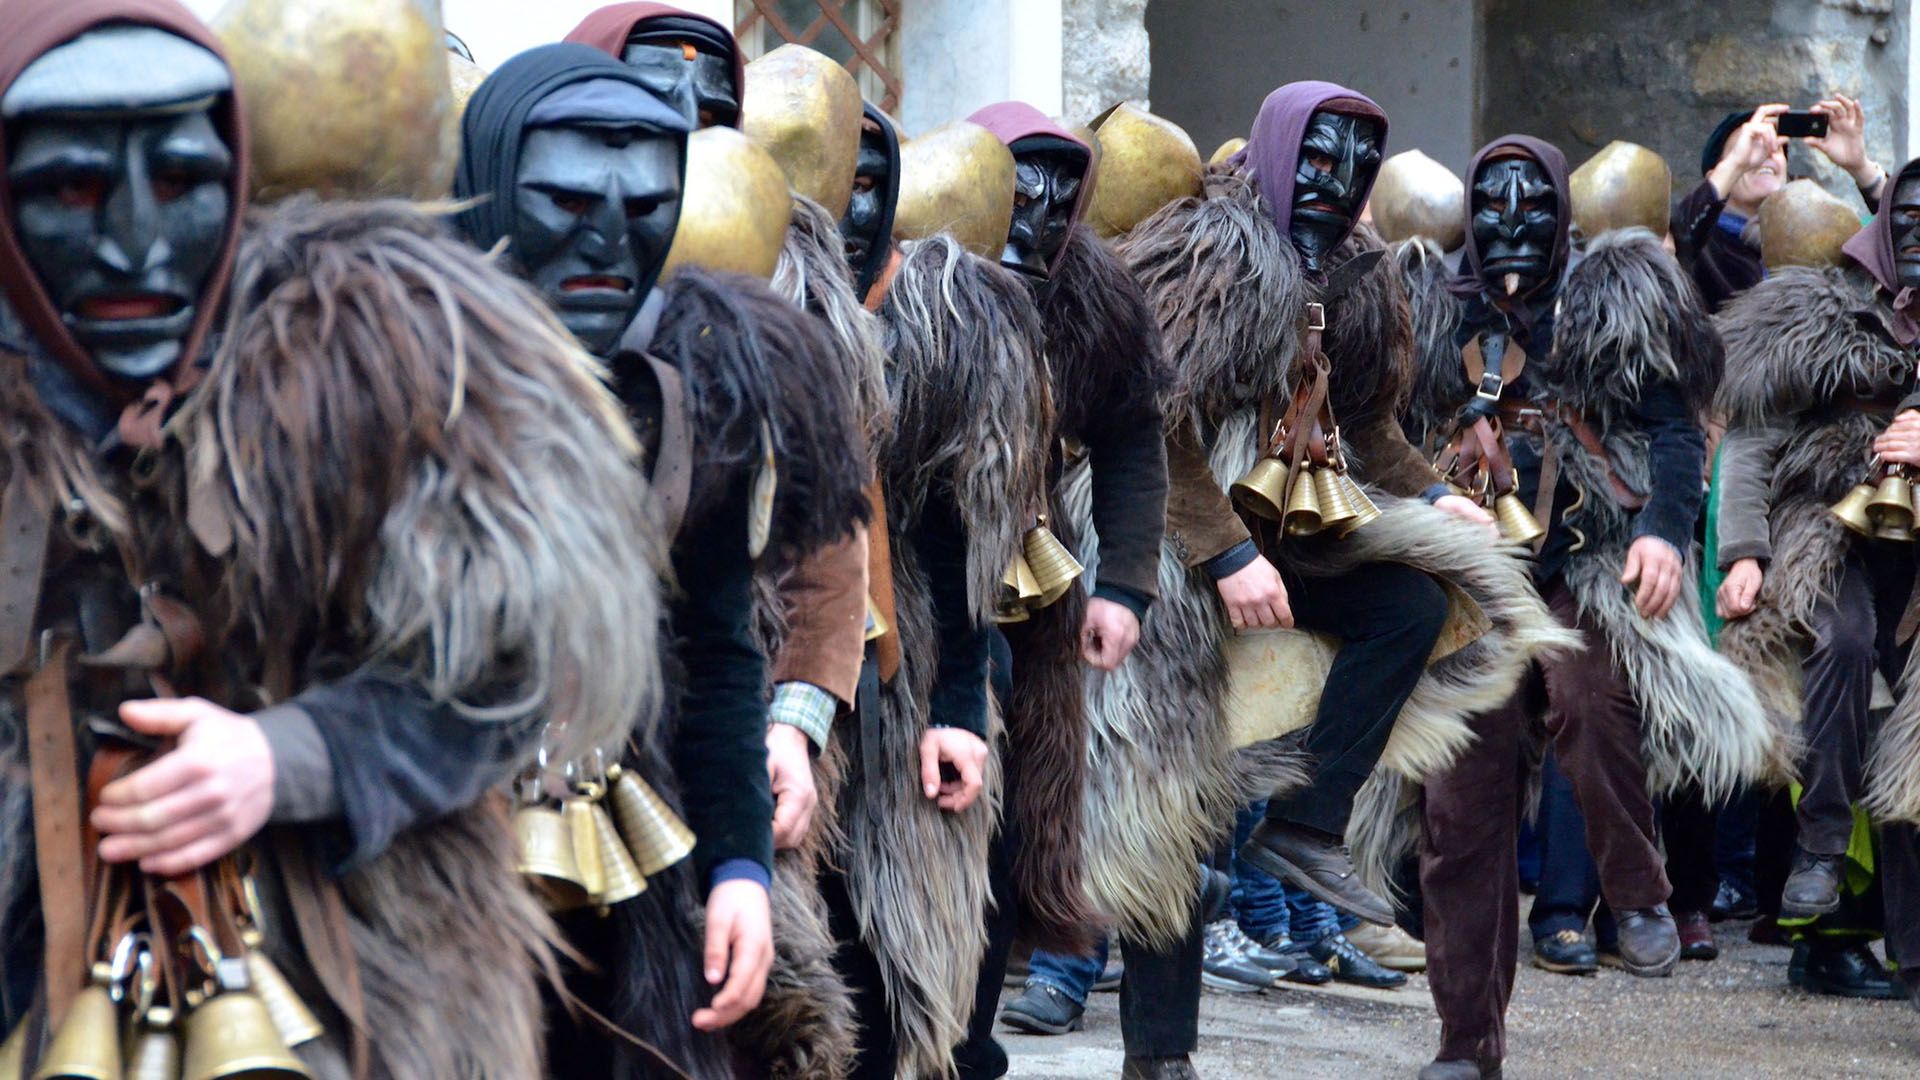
[[1649, 941], [1111, 975], [1350, 965], [1162, 1068], [1459, 1070], [1317, 863], [1733, 902], [1224, 967], [1843, 971], [1272, 959], [1813, 888], [1306, 970], [1042, 1010], [1565, 952]]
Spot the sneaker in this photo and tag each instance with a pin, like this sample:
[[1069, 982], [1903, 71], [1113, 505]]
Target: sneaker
[[1733, 902], [1696, 936], [1042, 1010], [1306, 970], [1224, 967], [1272, 959], [1350, 965], [1390, 947], [1565, 952]]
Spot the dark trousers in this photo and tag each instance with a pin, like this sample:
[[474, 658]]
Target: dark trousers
[[876, 1058], [1388, 617], [1569, 881], [1687, 825], [1853, 634]]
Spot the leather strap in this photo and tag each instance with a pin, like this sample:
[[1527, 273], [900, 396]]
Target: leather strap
[[673, 464], [57, 817], [886, 647], [320, 919], [25, 524], [877, 295]]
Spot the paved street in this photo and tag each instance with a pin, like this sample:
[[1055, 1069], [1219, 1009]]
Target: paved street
[[1734, 1018]]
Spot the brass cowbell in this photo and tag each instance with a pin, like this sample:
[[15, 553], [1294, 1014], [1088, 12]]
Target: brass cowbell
[[87, 1044], [1516, 521], [1263, 491], [1054, 567], [1303, 505], [655, 835], [1019, 593], [156, 1049], [1852, 510], [1363, 508], [230, 1036], [1892, 508], [622, 879], [1336, 509], [291, 1018], [545, 843]]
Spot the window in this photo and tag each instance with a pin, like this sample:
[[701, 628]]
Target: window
[[861, 34]]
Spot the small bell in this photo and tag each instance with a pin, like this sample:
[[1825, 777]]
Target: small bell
[[1020, 590], [654, 834], [1516, 521], [1892, 508], [546, 856], [578, 812], [1263, 491], [1303, 505], [87, 1044], [156, 1049], [877, 625], [291, 1018], [1364, 509], [1852, 510], [624, 880], [1054, 567], [1336, 509], [230, 1036]]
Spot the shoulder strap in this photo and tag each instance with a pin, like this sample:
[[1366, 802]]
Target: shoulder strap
[[25, 523], [59, 855], [673, 464]]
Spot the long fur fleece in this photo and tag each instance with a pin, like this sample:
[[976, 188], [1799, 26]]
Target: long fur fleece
[[416, 462], [1795, 342], [1440, 384], [1629, 317], [1230, 303]]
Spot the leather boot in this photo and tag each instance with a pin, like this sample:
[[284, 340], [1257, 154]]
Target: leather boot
[[1649, 940], [1317, 863], [1459, 1070], [1813, 888], [1158, 1068]]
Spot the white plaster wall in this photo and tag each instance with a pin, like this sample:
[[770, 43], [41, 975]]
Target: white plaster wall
[[958, 55]]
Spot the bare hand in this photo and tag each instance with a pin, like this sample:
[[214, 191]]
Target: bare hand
[[1752, 145], [195, 803], [963, 750], [1845, 142], [1108, 633], [1466, 510], [1255, 596], [1655, 564], [739, 949], [1739, 590], [1900, 443], [790, 769]]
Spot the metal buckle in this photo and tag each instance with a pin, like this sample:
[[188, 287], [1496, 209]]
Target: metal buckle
[[1490, 386], [1316, 316]]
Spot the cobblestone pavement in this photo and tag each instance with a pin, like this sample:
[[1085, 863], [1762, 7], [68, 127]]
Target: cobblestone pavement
[[1733, 1018]]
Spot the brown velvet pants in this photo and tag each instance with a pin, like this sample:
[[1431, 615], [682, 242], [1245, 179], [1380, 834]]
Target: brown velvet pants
[[1470, 819]]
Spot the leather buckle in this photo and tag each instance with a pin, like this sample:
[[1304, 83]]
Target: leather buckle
[[1316, 316], [1490, 386]]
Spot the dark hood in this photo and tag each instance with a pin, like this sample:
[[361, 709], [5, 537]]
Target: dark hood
[[882, 251], [1470, 282], [29, 28], [492, 130], [608, 29], [1872, 248], [1272, 153], [1012, 121]]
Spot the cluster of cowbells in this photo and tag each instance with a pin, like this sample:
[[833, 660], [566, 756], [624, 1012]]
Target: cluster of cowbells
[[1305, 500], [1041, 573], [578, 854], [1880, 508]]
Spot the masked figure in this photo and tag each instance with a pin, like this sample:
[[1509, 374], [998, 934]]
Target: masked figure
[[689, 60], [1571, 387], [315, 545], [1820, 380], [720, 376]]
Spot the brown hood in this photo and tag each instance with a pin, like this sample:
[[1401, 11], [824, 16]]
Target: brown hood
[[29, 28], [608, 29]]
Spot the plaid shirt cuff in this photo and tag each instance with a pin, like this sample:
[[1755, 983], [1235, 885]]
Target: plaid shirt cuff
[[805, 706]]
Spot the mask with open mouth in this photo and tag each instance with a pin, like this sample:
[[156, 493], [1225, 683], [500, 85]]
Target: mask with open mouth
[[1904, 223], [1515, 220], [1339, 155]]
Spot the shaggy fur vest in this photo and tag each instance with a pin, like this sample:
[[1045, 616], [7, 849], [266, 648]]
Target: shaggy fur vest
[[1626, 319], [1796, 343], [1226, 291]]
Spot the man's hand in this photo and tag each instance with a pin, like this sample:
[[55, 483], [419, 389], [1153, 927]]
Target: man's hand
[[790, 768], [963, 750], [1739, 590], [1750, 146], [1466, 510], [1655, 564], [1900, 443], [195, 803], [1255, 596], [1108, 633], [1845, 142], [739, 949]]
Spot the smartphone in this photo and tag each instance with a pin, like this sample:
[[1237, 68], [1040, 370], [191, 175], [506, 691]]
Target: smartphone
[[1800, 124]]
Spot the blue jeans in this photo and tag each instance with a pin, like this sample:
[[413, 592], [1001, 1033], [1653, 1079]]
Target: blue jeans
[[1267, 908], [1073, 976]]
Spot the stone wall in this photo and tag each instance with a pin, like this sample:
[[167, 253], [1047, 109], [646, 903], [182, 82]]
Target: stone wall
[[1663, 72], [1103, 55]]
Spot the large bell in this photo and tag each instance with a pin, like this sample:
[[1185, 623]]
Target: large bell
[[349, 100], [1803, 224], [1263, 491], [1146, 162], [1303, 505], [231, 1037], [958, 179], [735, 207], [545, 844], [291, 1018], [1054, 567], [1226, 150], [156, 1049], [655, 835], [1364, 509], [1516, 522], [1337, 511], [1415, 195], [1852, 510], [87, 1044], [804, 110], [623, 880], [1623, 185], [1893, 496]]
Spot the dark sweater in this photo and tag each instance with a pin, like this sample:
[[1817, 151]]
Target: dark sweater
[[1722, 264]]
